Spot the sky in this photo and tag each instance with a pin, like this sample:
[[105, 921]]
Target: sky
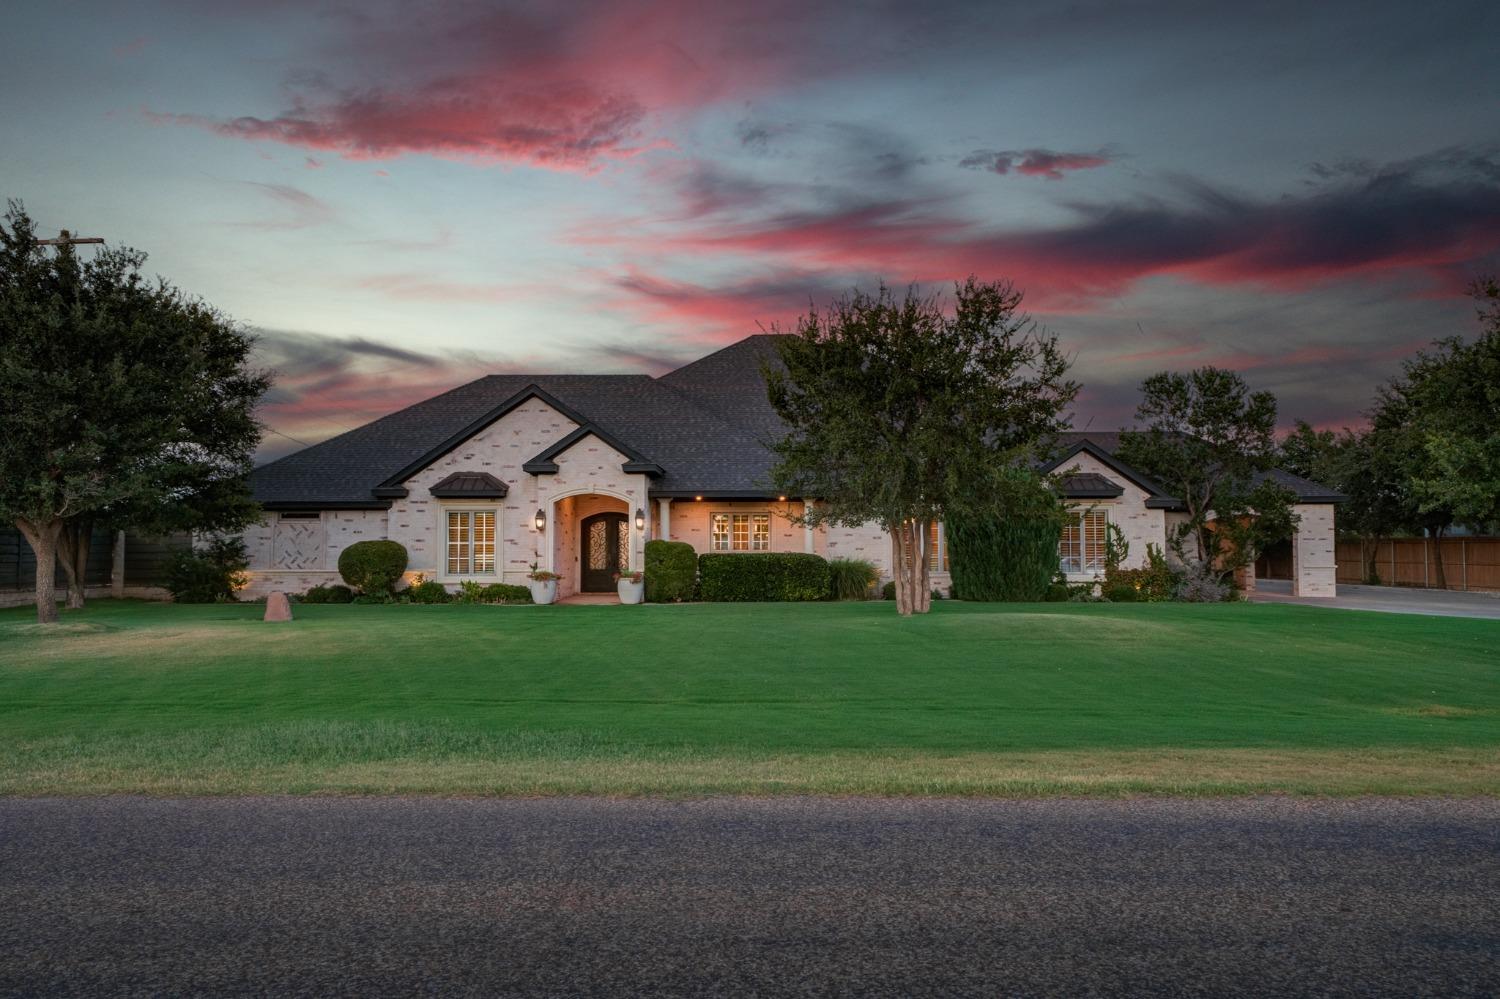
[[401, 197]]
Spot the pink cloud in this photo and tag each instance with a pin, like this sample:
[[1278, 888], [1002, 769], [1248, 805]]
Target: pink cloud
[[561, 88]]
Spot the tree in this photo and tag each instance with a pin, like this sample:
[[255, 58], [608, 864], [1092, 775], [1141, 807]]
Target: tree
[[1352, 463], [127, 402], [1455, 397], [902, 412], [1209, 440]]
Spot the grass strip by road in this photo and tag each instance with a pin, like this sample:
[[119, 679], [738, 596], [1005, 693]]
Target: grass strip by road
[[281, 759]]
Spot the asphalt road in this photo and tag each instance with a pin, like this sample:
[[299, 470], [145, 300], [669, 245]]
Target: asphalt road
[[123, 896]]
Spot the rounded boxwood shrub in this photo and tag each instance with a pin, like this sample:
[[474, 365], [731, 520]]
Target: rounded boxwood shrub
[[505, 593], [888, 591], [428, 592], [780, 576], [335, 594], [372, 567], [671, 571]]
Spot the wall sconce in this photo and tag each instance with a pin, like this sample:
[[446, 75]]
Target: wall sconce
[[540, 520], [640, 519]]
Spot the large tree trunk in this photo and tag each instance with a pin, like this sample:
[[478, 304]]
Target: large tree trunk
[[1436, 542], [923, 602], [1369, 551], [73, 549], [42, 537]]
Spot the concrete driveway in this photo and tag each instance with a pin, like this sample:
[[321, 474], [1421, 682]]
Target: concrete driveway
[[745, 897], [1390, 599]]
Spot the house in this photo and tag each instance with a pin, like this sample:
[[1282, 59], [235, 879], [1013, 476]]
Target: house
[[574, 473]]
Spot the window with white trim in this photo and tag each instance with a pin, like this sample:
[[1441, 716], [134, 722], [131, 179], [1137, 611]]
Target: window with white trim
[[1081, 548], [471, 542], [739, 532], [936, 548]]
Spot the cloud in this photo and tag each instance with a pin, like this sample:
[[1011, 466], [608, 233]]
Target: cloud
[[1035, 162], [304, 210], [561, 87], [1432, 218]]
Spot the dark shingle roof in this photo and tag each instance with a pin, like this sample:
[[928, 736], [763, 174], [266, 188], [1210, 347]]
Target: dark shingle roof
[[705, 426], [1108, 441]]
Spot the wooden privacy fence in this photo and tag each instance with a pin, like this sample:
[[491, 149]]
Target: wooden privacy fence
[[1468, 563]]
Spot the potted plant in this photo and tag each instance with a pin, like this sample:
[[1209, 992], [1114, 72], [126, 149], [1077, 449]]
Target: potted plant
[[631, 586], [543, 585]]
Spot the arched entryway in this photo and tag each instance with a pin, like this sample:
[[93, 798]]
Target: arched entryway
[[603, 551]]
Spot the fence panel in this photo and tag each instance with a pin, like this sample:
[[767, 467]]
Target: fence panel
[[1467, 563]]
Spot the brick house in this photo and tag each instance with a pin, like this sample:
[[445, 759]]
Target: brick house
[[576, 472]]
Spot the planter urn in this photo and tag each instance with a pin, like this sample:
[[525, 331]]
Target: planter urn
[[543, 591], [631, 593]]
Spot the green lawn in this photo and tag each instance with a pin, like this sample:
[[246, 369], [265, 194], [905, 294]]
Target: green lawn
[[972, 699]]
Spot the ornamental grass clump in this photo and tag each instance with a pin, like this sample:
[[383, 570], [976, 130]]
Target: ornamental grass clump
[[851, 578]]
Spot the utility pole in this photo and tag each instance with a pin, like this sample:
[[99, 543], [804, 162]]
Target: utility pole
[[66, 238]]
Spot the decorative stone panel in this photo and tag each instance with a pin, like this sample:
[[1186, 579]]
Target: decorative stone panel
[[299, 544]]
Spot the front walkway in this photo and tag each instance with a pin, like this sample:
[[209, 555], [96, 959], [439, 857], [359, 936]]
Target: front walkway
[[1389, 599], [578, 599]]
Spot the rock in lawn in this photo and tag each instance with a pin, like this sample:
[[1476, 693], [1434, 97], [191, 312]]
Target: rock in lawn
[[278, 607]]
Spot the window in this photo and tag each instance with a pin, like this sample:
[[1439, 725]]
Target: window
[[471, 542], [739, 532], [937, 547], [1082, 546]]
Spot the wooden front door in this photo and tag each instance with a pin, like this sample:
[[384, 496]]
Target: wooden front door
[[604, 550]]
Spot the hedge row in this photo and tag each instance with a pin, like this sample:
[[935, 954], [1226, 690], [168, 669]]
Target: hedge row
[[775, 576]]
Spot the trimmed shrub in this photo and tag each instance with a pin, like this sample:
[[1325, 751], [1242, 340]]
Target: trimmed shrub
[[671, 571], [373, 598], [1121, 593], [776, 576], [851, 578], [335, 594], [1058, 593], [208, 574], [888, 591], [505, 593], [468, 592], [1002, 559], [373, 567], [1155, 582], [428, 591]]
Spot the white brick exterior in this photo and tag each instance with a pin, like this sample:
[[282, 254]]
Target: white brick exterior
[[293, 554], [1314, 566], [1140, 524]]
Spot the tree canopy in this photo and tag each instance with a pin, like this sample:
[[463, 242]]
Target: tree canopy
[[1208, 439], [904, 410], [127, 401]]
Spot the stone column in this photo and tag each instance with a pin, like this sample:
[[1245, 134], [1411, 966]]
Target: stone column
[[1314, 566], [664, 509]]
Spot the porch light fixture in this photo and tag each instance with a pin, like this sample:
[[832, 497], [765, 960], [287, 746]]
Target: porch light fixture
[[540, 520], [698, 499], [640, 519]]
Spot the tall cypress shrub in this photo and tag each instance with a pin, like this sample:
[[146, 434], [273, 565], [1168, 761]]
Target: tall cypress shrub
[[1009, 559]]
